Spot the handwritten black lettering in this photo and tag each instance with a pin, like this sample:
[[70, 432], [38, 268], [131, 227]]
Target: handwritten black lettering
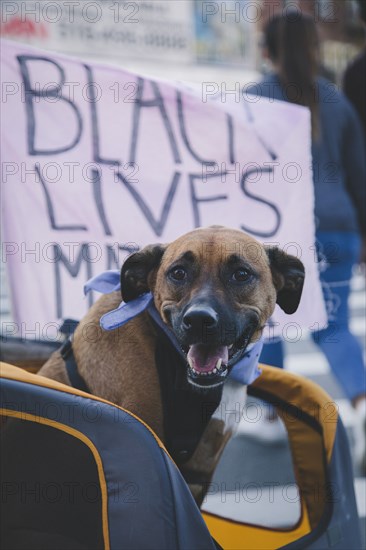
[[273, 207], [73, 269], [51, 210], [196, 200], [49, 92], [157, 102], [94, 122], [156, 225]]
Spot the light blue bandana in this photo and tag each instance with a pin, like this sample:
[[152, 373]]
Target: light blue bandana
[[245, 370]]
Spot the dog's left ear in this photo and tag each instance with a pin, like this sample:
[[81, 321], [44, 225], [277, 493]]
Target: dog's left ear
[[136, 269], [288, 275]]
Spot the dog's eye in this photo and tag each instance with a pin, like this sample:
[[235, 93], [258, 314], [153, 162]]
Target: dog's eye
[[241, 275], [178, 274]]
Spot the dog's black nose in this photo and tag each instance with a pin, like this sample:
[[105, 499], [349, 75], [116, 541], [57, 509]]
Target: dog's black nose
[[198, 317]]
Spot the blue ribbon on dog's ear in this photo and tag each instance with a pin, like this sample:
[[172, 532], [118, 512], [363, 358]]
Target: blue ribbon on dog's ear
[[108, 282], [125, 312]]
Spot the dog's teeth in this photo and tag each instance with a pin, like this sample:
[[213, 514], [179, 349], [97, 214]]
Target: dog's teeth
[[218, 364], [190, 362], [214, 371], [231, 345]]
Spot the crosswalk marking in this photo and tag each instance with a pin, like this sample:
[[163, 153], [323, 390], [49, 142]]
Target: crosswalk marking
[[260, 505], [360, 490], [307, 365]]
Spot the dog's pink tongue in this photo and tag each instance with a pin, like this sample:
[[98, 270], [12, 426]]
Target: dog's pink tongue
[[204, 358]]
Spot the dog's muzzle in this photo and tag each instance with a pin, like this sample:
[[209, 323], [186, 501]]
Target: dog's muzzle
[[210, 349], [209, 363]]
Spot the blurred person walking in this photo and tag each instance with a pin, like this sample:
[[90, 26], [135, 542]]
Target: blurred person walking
[[354, 86], [354, 82], [339, 173]]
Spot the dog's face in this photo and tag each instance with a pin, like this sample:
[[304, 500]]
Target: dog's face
[[215, 288]]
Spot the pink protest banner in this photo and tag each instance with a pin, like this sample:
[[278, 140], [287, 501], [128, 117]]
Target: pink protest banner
[[98, 161]]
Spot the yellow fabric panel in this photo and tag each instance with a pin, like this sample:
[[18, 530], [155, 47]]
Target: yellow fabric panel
[[14, 373], [239, 536], [308, 446], [75, 433], [304, 394], [307, 451]]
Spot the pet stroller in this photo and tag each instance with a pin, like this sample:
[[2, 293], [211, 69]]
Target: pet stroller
[[81, 473]]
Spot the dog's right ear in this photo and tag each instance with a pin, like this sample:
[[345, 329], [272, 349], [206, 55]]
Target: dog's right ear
[[137, 268], [288, 274]]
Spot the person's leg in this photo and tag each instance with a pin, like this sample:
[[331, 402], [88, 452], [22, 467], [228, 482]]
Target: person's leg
[[339, 345]]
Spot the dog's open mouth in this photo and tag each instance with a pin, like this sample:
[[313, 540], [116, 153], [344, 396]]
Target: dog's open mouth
[[209, 365]]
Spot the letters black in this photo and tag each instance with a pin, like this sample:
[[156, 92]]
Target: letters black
[[97, 193], [158, 102], [54, 92], [230, 127], [184, 133], [156, 225], [196, 200], [263, 142], [94, 120], [51, 211], [73, 269], [273, 207]]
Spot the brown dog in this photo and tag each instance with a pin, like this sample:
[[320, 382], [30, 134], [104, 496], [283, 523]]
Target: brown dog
[[214, 288]]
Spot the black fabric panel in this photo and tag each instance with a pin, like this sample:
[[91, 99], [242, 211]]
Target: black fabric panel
[[187, 411], [51, 496]]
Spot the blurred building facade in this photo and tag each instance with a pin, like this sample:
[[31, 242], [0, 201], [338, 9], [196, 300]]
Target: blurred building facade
[[194, 40]]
